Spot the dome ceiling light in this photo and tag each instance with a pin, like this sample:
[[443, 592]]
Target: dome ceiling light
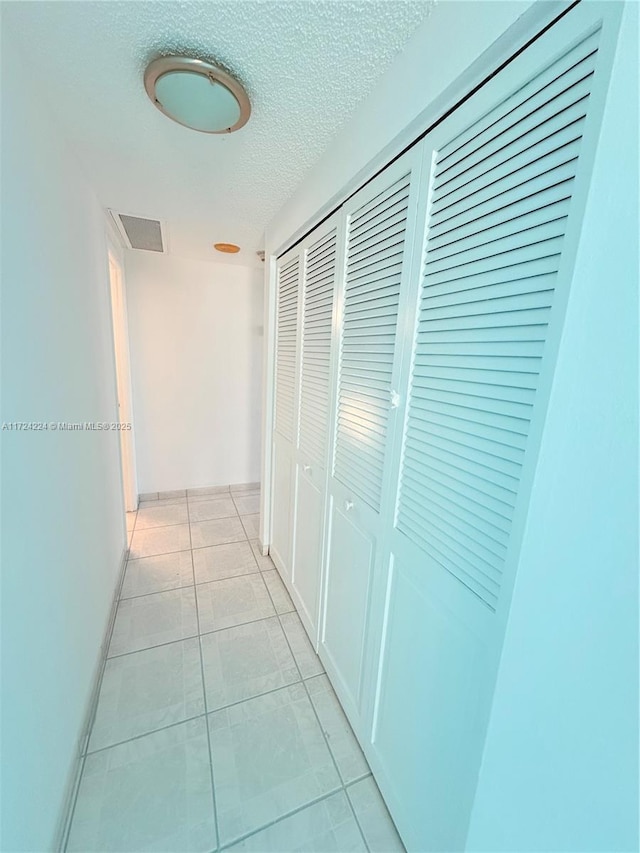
[[197, 94]]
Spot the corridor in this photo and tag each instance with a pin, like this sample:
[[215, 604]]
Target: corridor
[[216, 727], [375, 263]]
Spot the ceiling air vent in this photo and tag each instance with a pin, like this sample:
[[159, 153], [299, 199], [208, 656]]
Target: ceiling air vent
[[140, 233]]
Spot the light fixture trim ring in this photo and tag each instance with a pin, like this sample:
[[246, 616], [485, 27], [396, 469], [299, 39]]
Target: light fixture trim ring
[[157, 68]]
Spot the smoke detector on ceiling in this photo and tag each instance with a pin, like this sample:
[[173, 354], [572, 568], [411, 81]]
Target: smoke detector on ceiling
[[139, 233]]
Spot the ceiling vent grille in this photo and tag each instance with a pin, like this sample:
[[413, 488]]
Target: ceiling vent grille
[[141, 233]]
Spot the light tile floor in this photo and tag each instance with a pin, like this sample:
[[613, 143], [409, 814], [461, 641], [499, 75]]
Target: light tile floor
[[216, 727]]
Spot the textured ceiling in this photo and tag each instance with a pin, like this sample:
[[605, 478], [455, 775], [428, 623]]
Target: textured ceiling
[[305, 64]]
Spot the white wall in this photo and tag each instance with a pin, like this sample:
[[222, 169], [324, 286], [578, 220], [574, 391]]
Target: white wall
[[195, 331], [62, 511], [560, 768]]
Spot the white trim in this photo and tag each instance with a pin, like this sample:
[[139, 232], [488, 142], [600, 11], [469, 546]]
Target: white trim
[[311, 621], [115, 239], [75, 771], [122, 367], [268, 385]]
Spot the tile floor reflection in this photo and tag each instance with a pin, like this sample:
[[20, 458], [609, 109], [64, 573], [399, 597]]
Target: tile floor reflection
[[216, 727]]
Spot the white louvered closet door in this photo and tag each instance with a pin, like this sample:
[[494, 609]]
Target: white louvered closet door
[[503, 195], [379, 226], [289, 272], [320, 261]]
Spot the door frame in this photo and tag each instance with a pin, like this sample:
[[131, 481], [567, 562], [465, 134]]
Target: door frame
[[124, 408]]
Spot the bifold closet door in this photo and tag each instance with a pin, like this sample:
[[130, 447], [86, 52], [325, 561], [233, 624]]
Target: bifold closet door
[[320, 262], [379, 222], [289, 271], [502, 198]]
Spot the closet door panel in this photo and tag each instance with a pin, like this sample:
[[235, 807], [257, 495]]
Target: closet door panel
[[317, 328], [502, 200], [376, 241], [319, 258], [433, 659], [282, 512], [286, 346], [307, 558], [349, 574], [288, 290], [380, 222], [491, 304]]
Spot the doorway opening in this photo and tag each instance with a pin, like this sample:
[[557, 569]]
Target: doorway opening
[[123, 382]]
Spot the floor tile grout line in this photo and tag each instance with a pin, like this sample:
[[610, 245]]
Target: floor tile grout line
[[255, 559], [340, 776], [279, 615], [335, 763], [353, 782], [231, 542], [162, 553], [215, 518], [185, 503], [292, 813], [355, 816], [203, 634], [160, 591], [204, 696], [190, 585], [157, 592], [236, 514], [306, 690], [204, 714], [257, 571], [326, 740], [197, 548], [147, 733], [177, 551], [158, 646], [324, 735]]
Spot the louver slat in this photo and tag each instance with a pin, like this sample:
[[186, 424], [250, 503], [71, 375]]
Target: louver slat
[[519, 102], [375, 248], [499, 204], [316, 348], [286, 342]]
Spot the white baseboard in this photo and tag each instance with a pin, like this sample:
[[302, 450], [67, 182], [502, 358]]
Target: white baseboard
[[73, 780]]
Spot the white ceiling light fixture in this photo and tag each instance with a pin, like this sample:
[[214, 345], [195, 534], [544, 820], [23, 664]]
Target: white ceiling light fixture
[[197, 94]]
